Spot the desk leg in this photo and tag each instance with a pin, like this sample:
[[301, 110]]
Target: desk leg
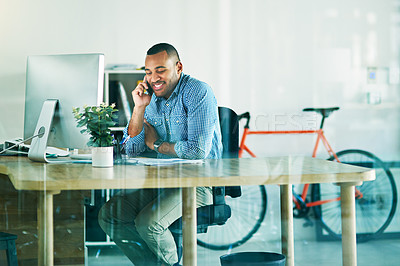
[[287, 224], [189, 226], [45, 227], [349, 244]]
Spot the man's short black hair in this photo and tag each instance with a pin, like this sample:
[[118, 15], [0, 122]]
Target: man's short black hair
[[160, 47]]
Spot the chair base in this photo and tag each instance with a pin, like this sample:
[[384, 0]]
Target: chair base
[[7, 243]]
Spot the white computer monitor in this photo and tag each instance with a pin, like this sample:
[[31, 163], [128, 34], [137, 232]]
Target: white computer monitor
[[54, 85]]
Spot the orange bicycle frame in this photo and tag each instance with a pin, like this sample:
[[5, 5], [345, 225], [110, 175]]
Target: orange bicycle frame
[[320, 137]]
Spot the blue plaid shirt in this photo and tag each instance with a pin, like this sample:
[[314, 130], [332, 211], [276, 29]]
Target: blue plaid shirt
[[188, 118]]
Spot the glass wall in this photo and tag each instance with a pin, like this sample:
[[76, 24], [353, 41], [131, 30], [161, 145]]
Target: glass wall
[[269, 58]]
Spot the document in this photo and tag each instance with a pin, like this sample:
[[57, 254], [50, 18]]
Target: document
[[161, 162]]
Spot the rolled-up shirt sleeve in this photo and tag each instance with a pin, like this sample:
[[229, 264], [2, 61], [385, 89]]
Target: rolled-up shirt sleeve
[[134, 145], [202, 115]]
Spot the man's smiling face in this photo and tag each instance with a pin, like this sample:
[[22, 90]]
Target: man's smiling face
[[162, 73]]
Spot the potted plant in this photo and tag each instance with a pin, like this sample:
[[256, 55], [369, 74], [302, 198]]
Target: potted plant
[[97, 120]]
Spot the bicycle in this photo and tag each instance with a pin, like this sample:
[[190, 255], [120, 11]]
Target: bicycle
[[376, 201]]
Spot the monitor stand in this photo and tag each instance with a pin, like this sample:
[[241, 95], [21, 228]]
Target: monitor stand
[[37, 151]]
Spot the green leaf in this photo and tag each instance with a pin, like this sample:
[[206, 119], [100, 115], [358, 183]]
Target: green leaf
[[97, 121], [80, 124]]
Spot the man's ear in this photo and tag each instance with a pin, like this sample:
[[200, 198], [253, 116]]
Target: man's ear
[[179, 67]]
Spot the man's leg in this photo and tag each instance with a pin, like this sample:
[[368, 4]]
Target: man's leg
[[153, 221], [116, 218]]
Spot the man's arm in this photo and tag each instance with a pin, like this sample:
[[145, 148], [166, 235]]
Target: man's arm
[[135, 133], [151, 136], [168, 148], [141, 101], [136, 123]]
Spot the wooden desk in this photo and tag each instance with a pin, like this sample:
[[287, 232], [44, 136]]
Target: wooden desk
[[50, 179]]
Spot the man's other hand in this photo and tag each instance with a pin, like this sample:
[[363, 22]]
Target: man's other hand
[[150, 135]]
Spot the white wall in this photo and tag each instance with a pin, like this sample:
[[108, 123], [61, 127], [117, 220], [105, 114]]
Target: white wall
[[269, 57]]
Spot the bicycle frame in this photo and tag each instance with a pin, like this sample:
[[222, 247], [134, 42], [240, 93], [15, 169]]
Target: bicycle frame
[[319, 132], [320, 137]]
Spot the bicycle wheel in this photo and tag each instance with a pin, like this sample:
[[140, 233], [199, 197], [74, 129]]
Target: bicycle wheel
[[248, 212], [374, 209]]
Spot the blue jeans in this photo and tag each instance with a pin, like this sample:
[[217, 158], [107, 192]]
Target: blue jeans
[[137, 221]]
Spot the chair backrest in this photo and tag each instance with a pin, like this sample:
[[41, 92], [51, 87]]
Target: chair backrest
[[229, 123]]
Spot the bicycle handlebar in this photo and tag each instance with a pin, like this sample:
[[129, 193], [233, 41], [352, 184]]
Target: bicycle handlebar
[[245, 116]]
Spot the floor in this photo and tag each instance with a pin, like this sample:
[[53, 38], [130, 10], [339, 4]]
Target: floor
[[308, 251], [377, 253]]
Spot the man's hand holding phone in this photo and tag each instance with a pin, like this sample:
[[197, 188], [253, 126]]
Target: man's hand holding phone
[[142, 94], [141, 100]]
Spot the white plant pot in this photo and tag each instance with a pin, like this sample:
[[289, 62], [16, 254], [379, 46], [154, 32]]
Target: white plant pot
[[102, 157]]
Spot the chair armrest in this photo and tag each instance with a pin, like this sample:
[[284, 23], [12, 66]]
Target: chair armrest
[[234, 191]]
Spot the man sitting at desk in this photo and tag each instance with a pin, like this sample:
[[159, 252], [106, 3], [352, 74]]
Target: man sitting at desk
[[180, 120]]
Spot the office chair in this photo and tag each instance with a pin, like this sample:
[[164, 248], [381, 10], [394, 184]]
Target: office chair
[[219, 212]]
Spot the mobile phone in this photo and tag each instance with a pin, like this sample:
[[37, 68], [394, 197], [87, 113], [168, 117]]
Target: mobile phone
[[149, 89]]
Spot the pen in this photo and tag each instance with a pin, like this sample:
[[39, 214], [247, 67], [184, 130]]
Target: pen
[[124, 140]]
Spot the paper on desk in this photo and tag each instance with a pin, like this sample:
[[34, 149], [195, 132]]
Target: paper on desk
[[161, 162]]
